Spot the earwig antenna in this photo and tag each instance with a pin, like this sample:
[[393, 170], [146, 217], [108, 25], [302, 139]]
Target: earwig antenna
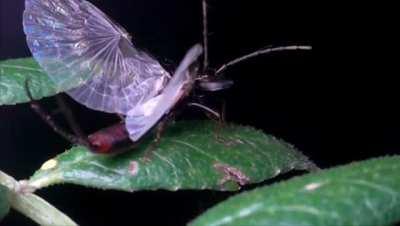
[[206, 109], [258, 53], [46, 117], [205, 35]]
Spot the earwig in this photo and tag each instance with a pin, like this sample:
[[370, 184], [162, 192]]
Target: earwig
[[109, 140]]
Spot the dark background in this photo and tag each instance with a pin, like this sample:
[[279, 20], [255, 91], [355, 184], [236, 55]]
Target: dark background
[[336, 104]]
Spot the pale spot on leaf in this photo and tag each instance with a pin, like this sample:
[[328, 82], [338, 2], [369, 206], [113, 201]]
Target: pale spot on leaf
[[313, 186], [133, 168], [52, 163]]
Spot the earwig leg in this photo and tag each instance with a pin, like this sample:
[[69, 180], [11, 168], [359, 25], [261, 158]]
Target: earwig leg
[[46, 117], [220, 125], [210, 113], [159, 131], [223, 112], [215, 116], [121, 117], [69, 116]]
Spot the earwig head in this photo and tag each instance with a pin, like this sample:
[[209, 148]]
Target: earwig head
[[100, 143], [212, 84]]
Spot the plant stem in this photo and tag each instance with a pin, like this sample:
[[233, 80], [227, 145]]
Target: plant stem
[[34, 207]]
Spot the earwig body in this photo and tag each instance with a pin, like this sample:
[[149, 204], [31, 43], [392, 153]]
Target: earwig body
[[101, 68], [115, 138]]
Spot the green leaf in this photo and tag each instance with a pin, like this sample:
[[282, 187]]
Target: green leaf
[[358, 194], [4, 204], [191, 155], [13, 75]]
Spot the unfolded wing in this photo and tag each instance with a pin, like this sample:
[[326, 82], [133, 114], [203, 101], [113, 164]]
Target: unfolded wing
[[143, 117], [84, 52]]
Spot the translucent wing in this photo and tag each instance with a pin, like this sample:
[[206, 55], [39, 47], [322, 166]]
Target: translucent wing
[[84, 52], [143, 117]]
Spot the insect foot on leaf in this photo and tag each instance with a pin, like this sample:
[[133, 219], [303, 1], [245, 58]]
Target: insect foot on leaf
[[159, 131]]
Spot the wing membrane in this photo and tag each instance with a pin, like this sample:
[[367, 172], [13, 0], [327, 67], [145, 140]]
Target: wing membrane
[[143, 117], [84, 52]]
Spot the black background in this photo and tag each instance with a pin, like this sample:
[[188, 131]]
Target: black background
[[337, 104]]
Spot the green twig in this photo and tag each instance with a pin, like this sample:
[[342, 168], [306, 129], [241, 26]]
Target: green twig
[[32, 206]]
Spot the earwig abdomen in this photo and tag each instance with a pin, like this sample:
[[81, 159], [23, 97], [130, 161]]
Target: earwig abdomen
[[107, 140]]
